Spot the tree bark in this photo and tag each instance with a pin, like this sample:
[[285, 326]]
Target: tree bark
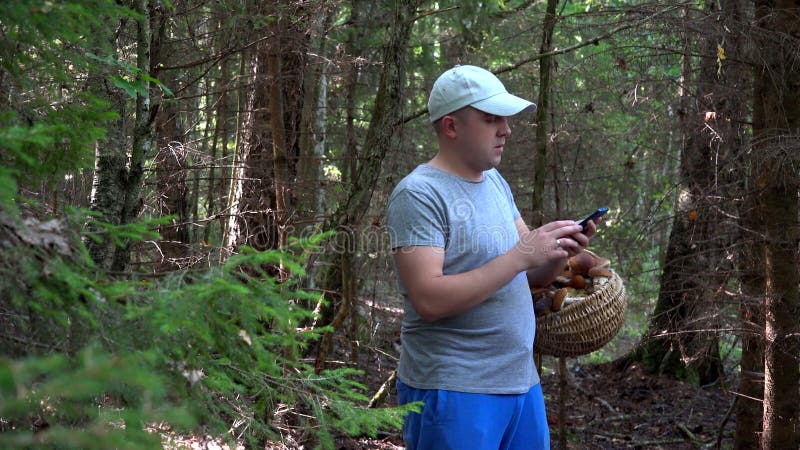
[[116, 193], [218, 179], [262, 200], [280, 159], [687, 314], [170, 162], [776, 142], [380, 139], [310, 200], [110, 171], [354, 38], [251, 202], [542, 112], [749, 405]]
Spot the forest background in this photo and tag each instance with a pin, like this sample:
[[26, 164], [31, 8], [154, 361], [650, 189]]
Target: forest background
[[193, 197]]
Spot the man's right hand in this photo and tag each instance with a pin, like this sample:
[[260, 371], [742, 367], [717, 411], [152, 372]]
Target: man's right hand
[[550, 242]]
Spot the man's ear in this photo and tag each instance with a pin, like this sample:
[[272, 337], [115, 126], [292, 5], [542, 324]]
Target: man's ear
[[449, 126]]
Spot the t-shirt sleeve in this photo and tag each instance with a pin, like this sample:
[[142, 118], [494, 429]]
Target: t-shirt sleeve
[[414, 220]]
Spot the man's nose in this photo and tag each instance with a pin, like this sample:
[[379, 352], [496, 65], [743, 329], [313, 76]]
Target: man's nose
[[504, 130]]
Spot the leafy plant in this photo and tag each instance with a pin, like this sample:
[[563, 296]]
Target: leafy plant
[[90, 400], [233, 335], [223, 342]]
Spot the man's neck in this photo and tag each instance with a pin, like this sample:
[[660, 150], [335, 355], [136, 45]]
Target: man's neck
[[455, 167]]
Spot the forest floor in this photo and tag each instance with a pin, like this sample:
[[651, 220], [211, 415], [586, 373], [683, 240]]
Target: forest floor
[[606, 407]]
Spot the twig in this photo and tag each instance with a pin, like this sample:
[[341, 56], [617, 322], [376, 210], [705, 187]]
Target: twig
[[618, 418], [655, 443], [686, 432], [724, 421], [432, 11], [28, 343], [592, 41], [630, 442], [383, 391]]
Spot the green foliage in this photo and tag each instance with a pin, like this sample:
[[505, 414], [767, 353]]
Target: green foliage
[[53, 123], [141, 80], [231, 337], [50, 37], [119, 235], [224, 342], [62, 397], [48, 141]]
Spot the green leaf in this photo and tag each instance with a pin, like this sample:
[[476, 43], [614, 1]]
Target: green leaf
[[126, 86]]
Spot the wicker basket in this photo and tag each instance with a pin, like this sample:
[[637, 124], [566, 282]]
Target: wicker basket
[[582, 327]]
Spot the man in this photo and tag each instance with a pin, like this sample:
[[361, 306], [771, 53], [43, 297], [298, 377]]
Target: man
[[466, 261]]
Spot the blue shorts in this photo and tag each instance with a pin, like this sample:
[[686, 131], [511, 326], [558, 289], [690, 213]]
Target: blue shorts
[[464, 421]]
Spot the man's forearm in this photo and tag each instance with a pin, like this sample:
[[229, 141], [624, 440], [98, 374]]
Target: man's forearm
[[446, 295]]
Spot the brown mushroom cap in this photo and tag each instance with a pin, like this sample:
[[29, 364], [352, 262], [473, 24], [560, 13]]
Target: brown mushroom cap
[[558, 299], [578, 282]]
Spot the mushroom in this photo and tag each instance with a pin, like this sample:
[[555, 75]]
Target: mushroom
[[558, 299]]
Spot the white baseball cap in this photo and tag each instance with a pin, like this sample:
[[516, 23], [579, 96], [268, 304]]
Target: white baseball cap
[[473, 86]]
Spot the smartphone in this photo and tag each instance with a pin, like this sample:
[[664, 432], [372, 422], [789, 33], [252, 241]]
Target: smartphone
[[598, 213]]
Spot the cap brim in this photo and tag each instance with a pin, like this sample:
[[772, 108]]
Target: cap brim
[[505, 104]]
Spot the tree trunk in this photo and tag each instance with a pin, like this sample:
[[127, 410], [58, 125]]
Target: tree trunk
[[217, 179], [280, 159], [251, 202], [142, 136], [682, 339], [170, 163], [110, 171], [542, 118], [380, 139], [313, 127], [116, 193], [351, 85], [110, 167], [262, 199], [287, 66], [776, 141], [749, 404]]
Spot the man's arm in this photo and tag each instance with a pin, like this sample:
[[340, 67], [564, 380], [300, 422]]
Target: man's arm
[[435, 295]]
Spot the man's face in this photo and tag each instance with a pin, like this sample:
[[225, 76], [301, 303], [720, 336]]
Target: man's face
[[481, 137]]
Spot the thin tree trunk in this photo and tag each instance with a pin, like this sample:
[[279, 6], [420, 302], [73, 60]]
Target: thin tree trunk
[[251, 203], [313, 131], [313, 128], [219, 143], [117, 186], [320, 133], [380, 139], [280, 160], [170, 162], [110, 169], [749, 406], [543, 115], [353, 42], [142, 136]]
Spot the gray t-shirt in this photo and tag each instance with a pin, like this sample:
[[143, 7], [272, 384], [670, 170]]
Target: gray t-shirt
[[488, 349]]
